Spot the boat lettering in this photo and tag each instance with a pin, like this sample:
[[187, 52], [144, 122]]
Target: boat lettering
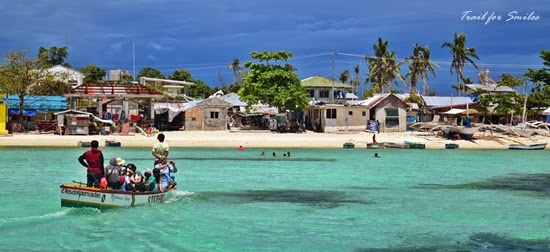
[[118, 197], [156, 198], [81, 193]]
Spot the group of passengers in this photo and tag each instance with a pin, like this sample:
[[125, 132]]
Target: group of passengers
[[122, 177]]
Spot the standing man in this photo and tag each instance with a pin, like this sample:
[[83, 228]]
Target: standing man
[[93, 161], [160, 150]]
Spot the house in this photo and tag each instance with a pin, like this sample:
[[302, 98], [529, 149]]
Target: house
[[332, 117], [108, 91], [320, 89], [66, 75], [208, 114], [173, 87], [389, 110]]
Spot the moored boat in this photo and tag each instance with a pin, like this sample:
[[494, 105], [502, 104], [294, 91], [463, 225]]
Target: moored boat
[[527, 147], [451, 146], [375, 146], [109, 143], [349, 145], [414, 145], [397, 146], [84, 144], [78, 195]]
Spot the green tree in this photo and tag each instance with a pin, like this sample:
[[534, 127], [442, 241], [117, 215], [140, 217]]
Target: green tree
[[461, 56], [200, 90], [509, 80], [53, 56], [19, 73], [384, 68], [420, 65], [355, 83], [150, 72], [236, 67], [344, 76], [273, 84], [180, 75], [126, 78], [540, 77], [93, 73]]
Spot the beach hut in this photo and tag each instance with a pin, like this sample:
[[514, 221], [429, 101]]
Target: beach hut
[[208, 114], [389, 110]]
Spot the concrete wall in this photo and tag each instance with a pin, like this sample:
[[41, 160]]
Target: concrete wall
[[380, 114]]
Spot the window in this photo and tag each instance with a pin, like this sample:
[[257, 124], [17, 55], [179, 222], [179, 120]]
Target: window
[[311, 92], [331, 113], [214, 114], [363, 113], [392, 117], [350, 113], [323, 93]]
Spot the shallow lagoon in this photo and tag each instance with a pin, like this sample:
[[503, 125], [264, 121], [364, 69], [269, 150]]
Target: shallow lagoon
[[317, 199]]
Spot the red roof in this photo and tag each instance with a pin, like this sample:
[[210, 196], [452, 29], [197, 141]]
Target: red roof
[[113, 90]]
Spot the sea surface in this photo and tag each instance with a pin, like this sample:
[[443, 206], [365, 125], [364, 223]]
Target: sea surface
[[314, 200]]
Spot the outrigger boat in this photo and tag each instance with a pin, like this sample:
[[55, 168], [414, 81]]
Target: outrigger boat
[[78, 195], [527, 147]]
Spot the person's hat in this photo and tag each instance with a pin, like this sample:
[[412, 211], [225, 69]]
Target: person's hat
[[120, 161], [148, 171]]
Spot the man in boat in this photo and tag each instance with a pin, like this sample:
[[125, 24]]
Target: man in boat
[[160, 149], [114, 171], [93, 161], [166, 170]]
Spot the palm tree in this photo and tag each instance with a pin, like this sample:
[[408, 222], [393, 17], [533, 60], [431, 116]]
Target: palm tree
[[384, 68], [356, 81], [236, 66], [420, 65], [344, 76], [461, 56]]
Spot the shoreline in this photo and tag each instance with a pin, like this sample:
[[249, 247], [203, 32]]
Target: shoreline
[[267, 139]]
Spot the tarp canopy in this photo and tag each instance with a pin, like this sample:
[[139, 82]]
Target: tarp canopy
[[71, 111], [546, 112], [38, 102], [460, 111]]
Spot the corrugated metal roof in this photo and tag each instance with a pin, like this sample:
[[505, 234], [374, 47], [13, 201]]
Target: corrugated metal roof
[[318, 81], [39, 102], [442, 101], [503, 89], [234, 99]]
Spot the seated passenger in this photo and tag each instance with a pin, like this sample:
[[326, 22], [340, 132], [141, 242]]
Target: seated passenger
[[165, 173], [113, 173], [135, 180], [150, 182]]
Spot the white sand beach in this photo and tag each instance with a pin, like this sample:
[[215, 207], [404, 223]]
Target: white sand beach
[[266, 139]]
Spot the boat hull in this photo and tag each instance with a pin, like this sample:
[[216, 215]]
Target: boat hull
[[526, 147], [82, 196], [463, 132], [375, 146], [451, 146], [413, 145]]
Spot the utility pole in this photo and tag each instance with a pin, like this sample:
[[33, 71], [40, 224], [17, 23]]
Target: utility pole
[[134, 60], [331, 95]]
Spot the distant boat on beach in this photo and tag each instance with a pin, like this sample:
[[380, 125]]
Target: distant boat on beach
[[527, 147], [375, 146], [464, 132], [414, 145]]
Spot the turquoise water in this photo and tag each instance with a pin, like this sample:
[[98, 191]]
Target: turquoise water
[[315, 200]]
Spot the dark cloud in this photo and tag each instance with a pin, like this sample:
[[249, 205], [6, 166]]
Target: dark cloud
[[178, 33]]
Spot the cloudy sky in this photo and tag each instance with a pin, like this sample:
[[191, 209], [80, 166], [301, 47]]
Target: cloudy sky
[[204, 36]]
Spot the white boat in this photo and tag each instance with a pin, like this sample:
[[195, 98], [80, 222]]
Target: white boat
[[465, 133], [527, 147], [78, 195]]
